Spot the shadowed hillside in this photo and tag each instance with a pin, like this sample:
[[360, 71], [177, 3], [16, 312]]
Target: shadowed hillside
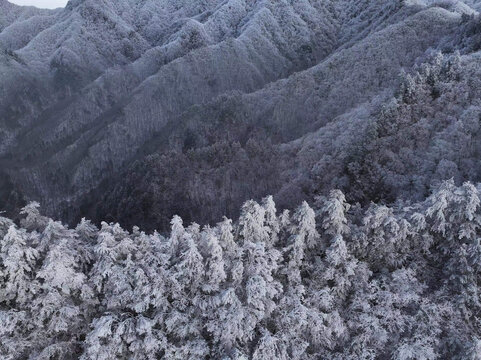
[[109, 107]]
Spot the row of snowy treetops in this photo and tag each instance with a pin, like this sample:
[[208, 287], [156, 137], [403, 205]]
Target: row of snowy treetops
[[342, 282]]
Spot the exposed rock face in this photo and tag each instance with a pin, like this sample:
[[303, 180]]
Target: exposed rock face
[[89, 90]]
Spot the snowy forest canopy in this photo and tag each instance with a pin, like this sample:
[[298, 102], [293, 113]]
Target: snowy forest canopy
[[336, 282]]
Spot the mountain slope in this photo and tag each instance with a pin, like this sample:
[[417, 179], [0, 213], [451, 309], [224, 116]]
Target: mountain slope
[[92, 88], [284, 110]]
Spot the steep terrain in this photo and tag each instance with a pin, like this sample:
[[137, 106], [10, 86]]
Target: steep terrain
[[139, 110]]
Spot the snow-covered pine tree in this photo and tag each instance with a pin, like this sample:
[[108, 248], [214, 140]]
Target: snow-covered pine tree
[[333, 211], [271, 220], [252, 225], [232, 252], [215, 273], [18, 268]]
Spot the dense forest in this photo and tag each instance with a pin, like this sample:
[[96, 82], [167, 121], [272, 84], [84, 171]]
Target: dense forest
[[262, 179], [337, 281]]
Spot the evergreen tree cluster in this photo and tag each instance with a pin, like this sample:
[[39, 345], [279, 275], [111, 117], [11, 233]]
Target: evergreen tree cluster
[[339, 281]]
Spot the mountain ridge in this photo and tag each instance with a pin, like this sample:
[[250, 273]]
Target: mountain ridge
[[84, 120]]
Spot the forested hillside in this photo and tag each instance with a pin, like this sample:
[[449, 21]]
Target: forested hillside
[[337, 282], [342, 137], [135, 111]]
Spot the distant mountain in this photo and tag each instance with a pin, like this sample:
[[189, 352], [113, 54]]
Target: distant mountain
[[135, 110]]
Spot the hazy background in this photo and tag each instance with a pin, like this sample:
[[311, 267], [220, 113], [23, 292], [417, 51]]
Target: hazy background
[[46, 4]]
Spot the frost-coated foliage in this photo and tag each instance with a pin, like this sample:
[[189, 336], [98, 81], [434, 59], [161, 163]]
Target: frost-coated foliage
[[342, 282]]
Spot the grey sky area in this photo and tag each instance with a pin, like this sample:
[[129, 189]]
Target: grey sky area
[[45, 4]]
